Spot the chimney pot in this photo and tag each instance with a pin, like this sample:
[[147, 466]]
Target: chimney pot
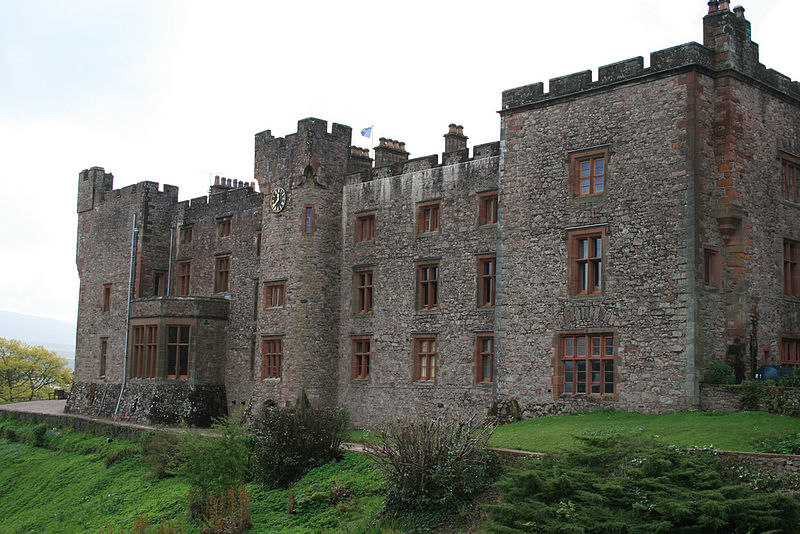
[[739, 10], [713, 5], [235, 182], [724, 5], [228, 182]]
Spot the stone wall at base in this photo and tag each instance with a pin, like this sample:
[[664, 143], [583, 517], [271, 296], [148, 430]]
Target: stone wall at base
[[154, 403], [725, 398]]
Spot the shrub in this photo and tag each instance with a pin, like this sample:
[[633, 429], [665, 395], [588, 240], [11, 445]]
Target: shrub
[[720, 373], [161, 454], [792, 380], [631, 484], [227, 512], [290, 441], [788, 445], [433, 465], [38, 432], [214, 464]]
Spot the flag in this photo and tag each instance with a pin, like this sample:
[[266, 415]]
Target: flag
[[366, 132]]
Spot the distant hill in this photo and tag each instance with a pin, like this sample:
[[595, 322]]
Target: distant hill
[[58, 336]]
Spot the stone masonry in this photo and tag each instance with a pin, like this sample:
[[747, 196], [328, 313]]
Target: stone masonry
[[622, 236]]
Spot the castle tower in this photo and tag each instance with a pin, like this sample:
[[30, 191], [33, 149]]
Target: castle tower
[[301, 178]]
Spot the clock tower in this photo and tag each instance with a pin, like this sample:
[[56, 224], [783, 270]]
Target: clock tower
[[300, 260]]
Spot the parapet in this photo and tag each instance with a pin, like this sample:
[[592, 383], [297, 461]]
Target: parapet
[[726, 46], [95, 187]]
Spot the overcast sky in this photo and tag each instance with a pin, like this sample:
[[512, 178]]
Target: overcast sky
[[174, 91]]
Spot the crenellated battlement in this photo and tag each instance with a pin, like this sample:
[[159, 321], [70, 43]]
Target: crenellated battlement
[[727, 46]]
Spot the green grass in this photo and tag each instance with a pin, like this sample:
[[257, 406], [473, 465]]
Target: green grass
[[744, 431], [83, 483]]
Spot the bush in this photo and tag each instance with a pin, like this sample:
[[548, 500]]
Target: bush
[[720, 373], [631, 484], [214, 464], [161, 453], [227, 512], [433, 465], [290, 441], [790, 381], [788, 445]]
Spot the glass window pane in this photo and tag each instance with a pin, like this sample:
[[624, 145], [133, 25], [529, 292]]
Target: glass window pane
[[609, 346], [582, 347], [585, 169], [599, 166], [569, 347], [596, 346]]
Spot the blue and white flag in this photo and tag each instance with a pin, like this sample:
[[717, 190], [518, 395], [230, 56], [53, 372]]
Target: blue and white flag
[[366, 132]]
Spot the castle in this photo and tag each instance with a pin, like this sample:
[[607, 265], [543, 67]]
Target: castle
[[622, 236]]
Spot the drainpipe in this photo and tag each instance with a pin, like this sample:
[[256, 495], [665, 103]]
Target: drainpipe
[[169, 270], [131, 275]]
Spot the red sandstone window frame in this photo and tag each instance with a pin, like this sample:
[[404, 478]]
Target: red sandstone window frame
[[178, 345], [790, 178], [274, 294], [309, 220], [145, 351], [487, 208], [588, 170], [222, 269], [586, 364], [362, 356], [429, 217], [184, 277], [106, 303], [586, 254], [224, 226], [791, 273], [427, 276], [487, 277], [271, 357], [365, 227], [484, 357], [712, 266], [103, 356], [425, 357], [363, 278], [790, 351], [185, 234]]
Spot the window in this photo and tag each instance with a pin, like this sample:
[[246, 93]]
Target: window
[[271, 354], [222, 267], [585, 250], [103, 355], [363, 284], [487, 208], [258, 244], [425, 358], [145, 351], [159, 283], [186, 235], [428, 286], [428, 217], [790, 169], [184, 277], [273, 294], [711, 266], [487, 266], [365, 227], [223, 227], [309, 220], [588, 171], [484, 357], [790, 351], [791, 282], [361, 357], [587, 364], [106, 297], [177, 351]]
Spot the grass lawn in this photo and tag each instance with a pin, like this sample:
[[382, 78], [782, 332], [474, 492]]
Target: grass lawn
[[744, 431]]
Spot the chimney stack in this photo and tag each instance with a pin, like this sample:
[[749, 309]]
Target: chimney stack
[[390, 151], [359, 159], [455, 139]]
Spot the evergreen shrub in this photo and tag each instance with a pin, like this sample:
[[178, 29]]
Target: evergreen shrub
[[290, 441], [631, 484], [720, 373]]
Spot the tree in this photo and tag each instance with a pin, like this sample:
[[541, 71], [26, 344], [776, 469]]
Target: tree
[[29, 372]]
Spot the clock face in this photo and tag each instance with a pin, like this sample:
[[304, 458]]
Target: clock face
[[277, 200]]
